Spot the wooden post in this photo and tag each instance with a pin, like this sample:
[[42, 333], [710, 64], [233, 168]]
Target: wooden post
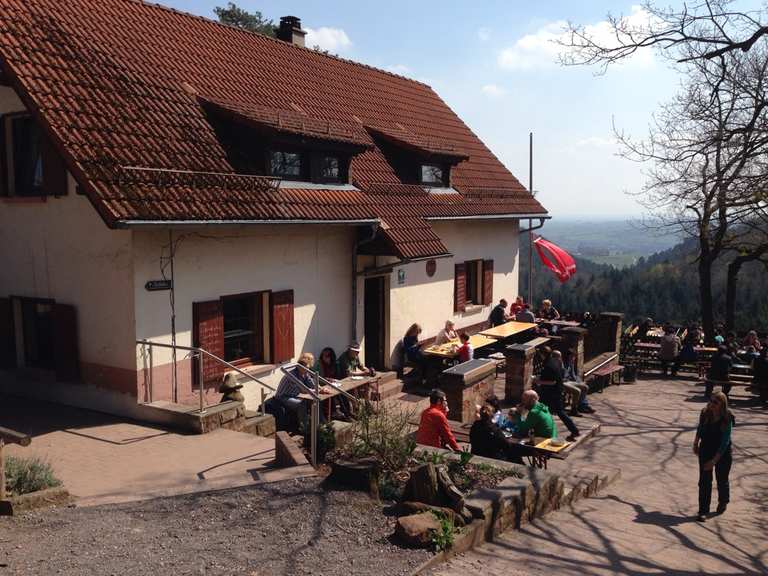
[[2, 470]]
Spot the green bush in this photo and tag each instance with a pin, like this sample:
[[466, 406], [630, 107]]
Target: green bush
[[382, 434], [25, 475]]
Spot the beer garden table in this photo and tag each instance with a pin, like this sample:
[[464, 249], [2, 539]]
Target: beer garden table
[[508, 329]]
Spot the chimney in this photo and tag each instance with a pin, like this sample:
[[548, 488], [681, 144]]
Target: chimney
[[290, 31]]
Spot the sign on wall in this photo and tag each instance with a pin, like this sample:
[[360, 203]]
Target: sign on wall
[[158, 285]]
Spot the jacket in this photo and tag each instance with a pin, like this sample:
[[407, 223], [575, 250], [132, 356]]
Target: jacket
[[434, 430], [540, 421]]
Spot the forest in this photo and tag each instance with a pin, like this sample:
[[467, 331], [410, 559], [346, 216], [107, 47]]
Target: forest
[[663, 286]]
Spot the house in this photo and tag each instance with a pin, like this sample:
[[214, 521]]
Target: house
[[171, 179]]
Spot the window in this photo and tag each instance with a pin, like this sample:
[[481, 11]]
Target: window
[[287, 164], [329, 169], [432, 174], [239, 328], [473, 284], [23, 156]]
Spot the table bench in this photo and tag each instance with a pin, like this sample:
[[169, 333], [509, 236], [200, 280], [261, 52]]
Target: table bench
[[603, 370]]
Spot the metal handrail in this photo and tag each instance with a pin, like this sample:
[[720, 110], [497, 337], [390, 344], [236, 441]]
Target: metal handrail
[[202, 351], [289, 365], [285, 369]]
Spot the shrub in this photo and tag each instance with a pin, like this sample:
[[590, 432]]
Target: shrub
[[444, 537], [25, 475], [382, 434]]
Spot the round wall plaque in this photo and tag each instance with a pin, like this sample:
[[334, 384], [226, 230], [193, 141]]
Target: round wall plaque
[[431, 268]]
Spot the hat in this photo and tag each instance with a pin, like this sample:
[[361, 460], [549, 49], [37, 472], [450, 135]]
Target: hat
[[229, 383], [355, 347]]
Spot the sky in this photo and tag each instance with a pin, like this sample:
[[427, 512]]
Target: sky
[[495, 64]]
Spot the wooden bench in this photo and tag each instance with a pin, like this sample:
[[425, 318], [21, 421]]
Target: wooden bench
[[603, 370]]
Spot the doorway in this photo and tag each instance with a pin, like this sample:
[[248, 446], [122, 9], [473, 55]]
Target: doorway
[[375, 322]]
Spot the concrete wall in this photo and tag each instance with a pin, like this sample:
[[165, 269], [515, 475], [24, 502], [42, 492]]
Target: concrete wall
[[429, 301], [60, 248], [313, 261]]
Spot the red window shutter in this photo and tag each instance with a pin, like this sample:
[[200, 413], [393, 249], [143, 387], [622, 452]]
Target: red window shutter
[[281, 322], [487, 281], [208, 321], [66, 352], [460, 288], [54, 169], [7, 335]]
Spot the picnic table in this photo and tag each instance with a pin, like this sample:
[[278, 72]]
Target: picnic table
[[563, 323], [508, 329], [349, 385], [448, 350]]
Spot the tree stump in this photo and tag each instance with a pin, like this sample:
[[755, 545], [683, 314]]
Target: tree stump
[[362, 475]]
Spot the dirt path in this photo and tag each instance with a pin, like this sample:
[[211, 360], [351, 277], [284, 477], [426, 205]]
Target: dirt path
[[644, 524]]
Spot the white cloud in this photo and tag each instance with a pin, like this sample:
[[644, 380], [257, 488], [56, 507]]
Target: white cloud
[[334, 40], [484, 34], [493, 90], [401, 69], [541, 49]]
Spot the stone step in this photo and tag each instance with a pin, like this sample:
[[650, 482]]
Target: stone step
[[389, 388]]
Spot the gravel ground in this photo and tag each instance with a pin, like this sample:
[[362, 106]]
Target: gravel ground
[[290, 528]]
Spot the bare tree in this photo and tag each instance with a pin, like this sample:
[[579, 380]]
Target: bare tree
[[704, 29], [706, 149]]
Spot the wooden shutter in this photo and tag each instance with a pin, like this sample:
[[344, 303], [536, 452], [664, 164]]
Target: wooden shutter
[[4, 157], [54, 169], [208, 321], [7, 335], [281, 324], [66, 352], [460, 288], [487, 281]]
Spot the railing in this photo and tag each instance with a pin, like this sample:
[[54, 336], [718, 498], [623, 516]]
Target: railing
[[148, 357], [314, 421]]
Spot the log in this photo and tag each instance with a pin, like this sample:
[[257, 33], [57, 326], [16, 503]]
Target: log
[[361, 475]]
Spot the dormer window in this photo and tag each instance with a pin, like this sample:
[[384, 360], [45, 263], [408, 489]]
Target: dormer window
[[285, 164], [432, 174]]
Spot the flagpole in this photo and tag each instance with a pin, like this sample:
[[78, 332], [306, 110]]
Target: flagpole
[[530, 220]]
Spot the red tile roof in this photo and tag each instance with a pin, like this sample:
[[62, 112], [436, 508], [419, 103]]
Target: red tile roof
[[121, 84]]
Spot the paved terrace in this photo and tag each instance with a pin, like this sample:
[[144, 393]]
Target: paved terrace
[[104, 459], [644, 524]]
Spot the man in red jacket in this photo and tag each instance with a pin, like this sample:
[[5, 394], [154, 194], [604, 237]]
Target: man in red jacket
[[433, 428]]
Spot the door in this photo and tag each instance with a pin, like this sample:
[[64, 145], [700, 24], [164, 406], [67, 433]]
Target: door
[[375, 322]]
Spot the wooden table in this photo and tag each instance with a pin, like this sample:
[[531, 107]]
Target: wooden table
[[563, 323], [508, 329], [348, 385], [447, 351]]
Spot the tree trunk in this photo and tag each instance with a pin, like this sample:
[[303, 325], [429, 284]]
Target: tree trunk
[[730, 292], [705, 297]]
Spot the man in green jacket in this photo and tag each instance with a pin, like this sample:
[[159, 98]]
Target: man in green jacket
[[538, 418]]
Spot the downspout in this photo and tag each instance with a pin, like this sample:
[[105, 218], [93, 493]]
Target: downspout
[[355, 248]]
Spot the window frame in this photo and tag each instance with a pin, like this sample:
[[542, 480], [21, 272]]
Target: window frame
[[9, 185], [258, 353], [444, 171], [302, 175], [473, 282]]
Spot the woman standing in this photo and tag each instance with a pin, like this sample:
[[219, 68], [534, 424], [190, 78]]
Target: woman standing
[[713, 446]]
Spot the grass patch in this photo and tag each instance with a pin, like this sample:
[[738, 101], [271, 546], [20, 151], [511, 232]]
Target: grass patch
[[25, 475]]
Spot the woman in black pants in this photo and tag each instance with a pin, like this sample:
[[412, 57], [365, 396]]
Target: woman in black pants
[[713, 446], [550, 384]]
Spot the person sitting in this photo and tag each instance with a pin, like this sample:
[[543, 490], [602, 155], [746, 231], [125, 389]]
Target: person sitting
[[446, 334], [498, 315], [230, 388], [499, 418], [486, 438], [327, 366], [732, 343], [752, 340], [760, 372], [688, 353], [349, 363], [433, 425], [525, 315], [547, 311], [466, 352], [297, 381], [537, 417], [574, 386], [550, 384], [516, 306], [669, 350], [719, 371]]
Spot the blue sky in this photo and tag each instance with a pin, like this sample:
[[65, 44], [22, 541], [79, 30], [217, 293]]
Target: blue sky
[[494, 63]]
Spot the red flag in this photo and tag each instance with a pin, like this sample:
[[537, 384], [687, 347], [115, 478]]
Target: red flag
[[555, 258]]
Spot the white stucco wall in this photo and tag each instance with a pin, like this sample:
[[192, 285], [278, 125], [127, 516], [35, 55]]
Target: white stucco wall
[[60, 248], [313, 261], [429, 301]]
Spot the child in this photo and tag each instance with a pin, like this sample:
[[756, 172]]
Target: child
[[466, 352]]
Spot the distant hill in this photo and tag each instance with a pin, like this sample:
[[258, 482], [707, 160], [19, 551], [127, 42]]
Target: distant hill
[[618, 242], [663, 286]]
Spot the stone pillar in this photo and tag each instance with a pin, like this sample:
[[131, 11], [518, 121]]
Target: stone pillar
[[519, 359], [573, 338], [467, 385], [613, 320]]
